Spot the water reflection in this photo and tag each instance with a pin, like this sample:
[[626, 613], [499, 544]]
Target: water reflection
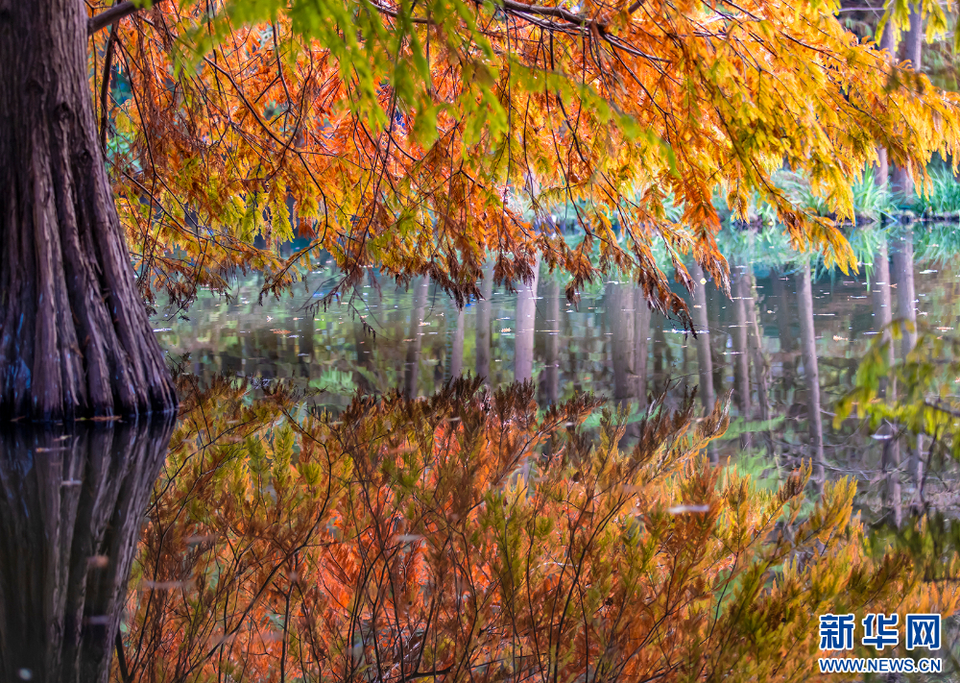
[[72, 499], [786, 344]]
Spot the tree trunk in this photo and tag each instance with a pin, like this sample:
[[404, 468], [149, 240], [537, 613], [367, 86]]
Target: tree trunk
[[75, 340], [619, 305], [811, 372], [456, 354], [910, 50], [71, 506]]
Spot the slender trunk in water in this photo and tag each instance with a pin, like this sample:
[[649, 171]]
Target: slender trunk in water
[[907, 310], [456, 354], [524, 327], [641, 338], [811, 373], [411, 369], [75, 340], [741, 358], [702, 324], [761, 368], [883, 315], [552, 370], [618, 302], [483, 325], [788, 342]]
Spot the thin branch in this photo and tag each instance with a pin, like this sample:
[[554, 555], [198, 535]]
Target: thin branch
[[113, 15]]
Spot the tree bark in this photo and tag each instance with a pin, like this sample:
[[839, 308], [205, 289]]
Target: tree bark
[[911, 48], [641, 339], [75, 339], [552, 369], [71, 505]]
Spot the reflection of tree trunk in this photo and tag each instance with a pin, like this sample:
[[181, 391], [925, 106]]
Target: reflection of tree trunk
[[702, 324], [483, 325], [71, 505], [883, 315], [363, 344], [525, 325], [761, 369], [456, 356], [704, 353], [641, 340], [907, 310], [811, 373], [618, 302], [552, 371], [741, 360], [788, 343], [411, 369], [305, 330]]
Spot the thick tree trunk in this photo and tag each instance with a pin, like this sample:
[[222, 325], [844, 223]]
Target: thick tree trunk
[[811, 372], [71, 505], [907, 309], [75, 338]]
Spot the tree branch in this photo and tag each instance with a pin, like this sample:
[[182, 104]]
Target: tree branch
[[112, 15]]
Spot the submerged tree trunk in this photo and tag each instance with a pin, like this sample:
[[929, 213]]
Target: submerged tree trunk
[[71, 504], [75, 339], [456, 353], [788, 343], [811, 372]]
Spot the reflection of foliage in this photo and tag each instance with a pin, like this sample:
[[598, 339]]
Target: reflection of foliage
[[924, 402], [462, 538]]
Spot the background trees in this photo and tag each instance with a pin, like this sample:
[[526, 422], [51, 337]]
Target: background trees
[[421, 136]]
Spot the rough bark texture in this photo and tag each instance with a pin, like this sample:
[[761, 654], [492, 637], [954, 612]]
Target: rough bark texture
[[71, 506], [74, 336]]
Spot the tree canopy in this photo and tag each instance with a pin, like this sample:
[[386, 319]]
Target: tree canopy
[[419, 137]]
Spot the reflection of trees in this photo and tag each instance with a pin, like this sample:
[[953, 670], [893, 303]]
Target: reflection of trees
[[524, 328], [411, 368], [71, 502], [483, 325], [552, 346]]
